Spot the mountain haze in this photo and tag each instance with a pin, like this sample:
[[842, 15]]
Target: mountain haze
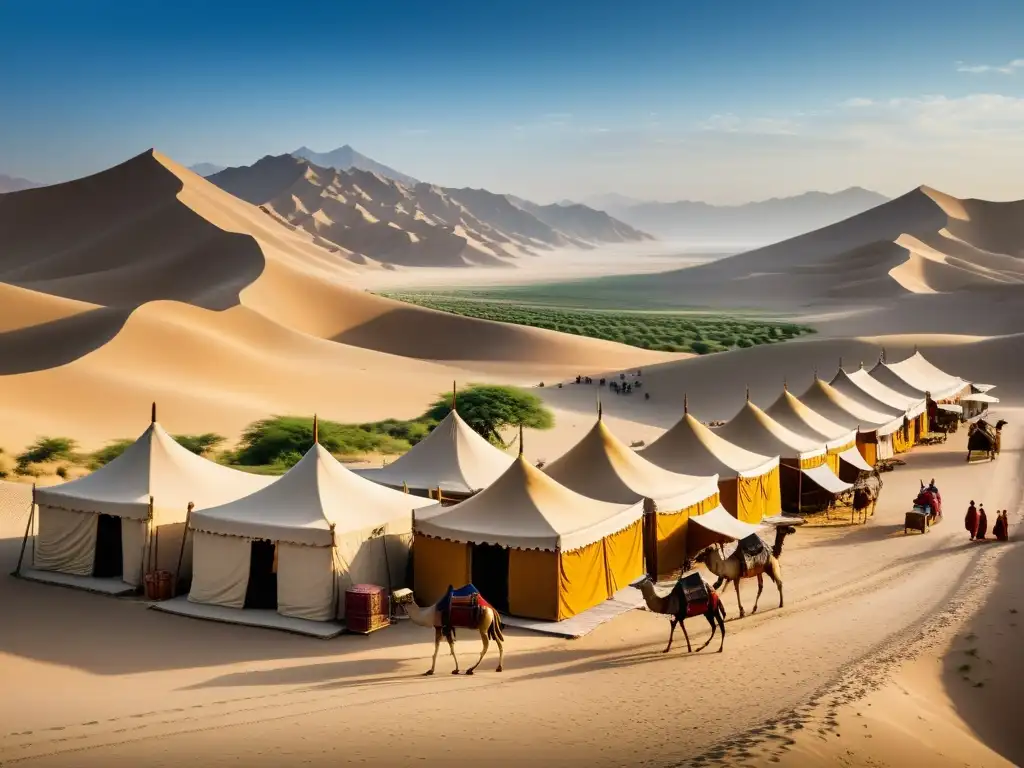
[[15, 184], [206, 169], [765, 221]]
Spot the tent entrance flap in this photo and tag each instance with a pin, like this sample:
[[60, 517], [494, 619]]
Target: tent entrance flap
[[826, 479], [109, 561], [489, 567], [854, 458], [261, 591]]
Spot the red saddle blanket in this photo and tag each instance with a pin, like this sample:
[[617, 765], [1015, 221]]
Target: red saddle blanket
[[465, 610]]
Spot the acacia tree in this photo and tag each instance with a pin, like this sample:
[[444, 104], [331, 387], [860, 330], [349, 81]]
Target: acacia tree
[[489, 408]]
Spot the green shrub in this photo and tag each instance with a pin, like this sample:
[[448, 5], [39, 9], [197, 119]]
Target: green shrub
[[108, 453], [279, 439], [489, 408], [200, 444], [48, 449]]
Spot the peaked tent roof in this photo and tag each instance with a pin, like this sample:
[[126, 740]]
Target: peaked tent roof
[[795, 416], [689, 446], [526, 509], [754, 429], [884, 374], [603, 467], [861, 386], [842, 409], [920, 374], [315, 497], [154, 465], [452, 457]]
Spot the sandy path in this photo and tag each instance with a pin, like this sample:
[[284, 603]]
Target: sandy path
[[177, 691]]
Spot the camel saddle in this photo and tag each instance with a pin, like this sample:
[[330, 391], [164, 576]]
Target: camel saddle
[[753, 554], [462, 608], [695, 594]]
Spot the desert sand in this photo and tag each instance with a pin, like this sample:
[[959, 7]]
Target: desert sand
[[157, 285]]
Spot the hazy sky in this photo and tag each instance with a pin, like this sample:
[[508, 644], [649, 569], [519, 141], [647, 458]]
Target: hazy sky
[[724, 101]]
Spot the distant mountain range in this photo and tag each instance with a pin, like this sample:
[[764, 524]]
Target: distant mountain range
[[762, 222], [371, 215], [16, 184], [206, 169], [345, 159]]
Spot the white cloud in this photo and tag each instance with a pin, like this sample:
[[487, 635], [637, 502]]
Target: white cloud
[[981, 69], [857, 102]]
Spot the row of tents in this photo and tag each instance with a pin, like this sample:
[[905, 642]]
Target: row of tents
[[545, 544]]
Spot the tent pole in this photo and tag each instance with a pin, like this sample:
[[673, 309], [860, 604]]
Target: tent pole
[[28, 529], [181, 552], [799, 489]]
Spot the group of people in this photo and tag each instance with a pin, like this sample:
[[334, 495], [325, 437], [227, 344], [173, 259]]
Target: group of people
[[976, 523]]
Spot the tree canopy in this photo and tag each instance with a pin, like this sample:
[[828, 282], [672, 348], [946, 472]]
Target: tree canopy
[[490, 408]]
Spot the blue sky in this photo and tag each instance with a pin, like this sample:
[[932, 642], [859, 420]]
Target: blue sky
[[722, 101]]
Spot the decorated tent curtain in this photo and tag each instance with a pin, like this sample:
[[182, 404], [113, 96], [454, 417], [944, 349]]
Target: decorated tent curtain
[[436, 564], [533, 581], [758, 497], [770, 492], [832, 459], [868, 446], [671, 534]]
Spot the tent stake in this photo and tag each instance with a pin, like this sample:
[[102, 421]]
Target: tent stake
[[28, 529], [181, 552]]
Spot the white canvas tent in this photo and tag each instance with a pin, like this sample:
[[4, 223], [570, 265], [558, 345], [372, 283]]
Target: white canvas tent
[[142, 498], [797, 417], [603, 467], [752, 428], [862, 386], [532, 547], [875, 427], [452, 457], [923, 376], [330, 528], [748, 482]]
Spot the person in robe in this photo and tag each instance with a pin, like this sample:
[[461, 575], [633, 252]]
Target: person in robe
[[932, 488], [971, 520], [1001, 528], [982, 523]]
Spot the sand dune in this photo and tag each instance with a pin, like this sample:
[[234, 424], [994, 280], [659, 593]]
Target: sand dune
[[924, 242], [147, 282]]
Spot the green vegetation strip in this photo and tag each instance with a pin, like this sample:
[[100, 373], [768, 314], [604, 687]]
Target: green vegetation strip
[[700, 333], [273, 445]]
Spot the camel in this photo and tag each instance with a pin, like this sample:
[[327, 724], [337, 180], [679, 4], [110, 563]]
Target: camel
[[489, 628], [731, 568], [675, 605]]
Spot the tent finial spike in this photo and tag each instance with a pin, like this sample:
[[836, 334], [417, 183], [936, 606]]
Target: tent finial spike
[[785, 384], [600, 407], [152, 414], [454, 392], [316, 429], [520, 438], [840, 363], [686, 404], [748, 393]]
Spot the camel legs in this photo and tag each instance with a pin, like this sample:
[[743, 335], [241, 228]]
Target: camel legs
[[777, 578], [686, 634], [671, 633], [451, 647], [736, 584], [437, 644], [486, 643], [760, 588], [711, 620], [721, 625], [501, 655]]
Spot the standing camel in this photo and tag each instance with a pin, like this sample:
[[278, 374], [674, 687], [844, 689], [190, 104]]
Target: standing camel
[[731, 568], [489, 627], [675, 605]]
